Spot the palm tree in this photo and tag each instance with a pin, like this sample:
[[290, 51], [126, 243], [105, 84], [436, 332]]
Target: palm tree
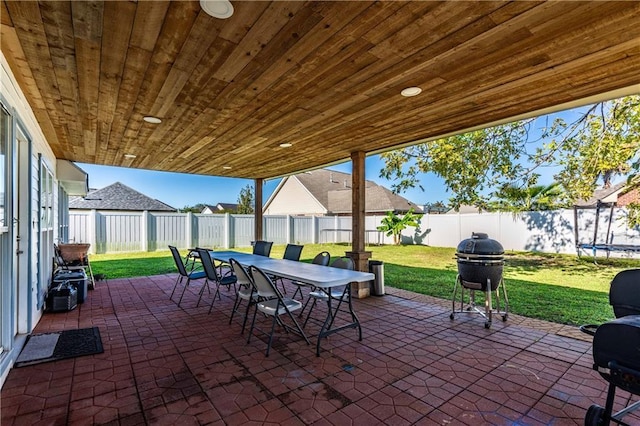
[[393, 224]]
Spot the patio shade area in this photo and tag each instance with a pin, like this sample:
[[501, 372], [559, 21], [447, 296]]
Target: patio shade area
[[168, 365], [324, 77]]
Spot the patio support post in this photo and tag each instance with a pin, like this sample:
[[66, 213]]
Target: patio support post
[[358, 254], [257, 233]]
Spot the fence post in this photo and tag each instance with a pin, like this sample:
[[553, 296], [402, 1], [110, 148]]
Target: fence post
[[144, 230], [314, 229], [92, 228], [189, 230], [227, 230], [289, 229]]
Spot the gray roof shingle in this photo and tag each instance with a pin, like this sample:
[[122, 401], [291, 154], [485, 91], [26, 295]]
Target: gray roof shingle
[[333, 190], [118, 196]]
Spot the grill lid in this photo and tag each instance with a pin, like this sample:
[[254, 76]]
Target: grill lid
[[480, 244]]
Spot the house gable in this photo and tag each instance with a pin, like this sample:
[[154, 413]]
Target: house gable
[[292, 197]]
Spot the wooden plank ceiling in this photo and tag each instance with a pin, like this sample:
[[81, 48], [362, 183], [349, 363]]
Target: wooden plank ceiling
[[323, 76]]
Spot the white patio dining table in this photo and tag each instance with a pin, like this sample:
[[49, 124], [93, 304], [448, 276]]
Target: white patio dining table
[[322, 277]]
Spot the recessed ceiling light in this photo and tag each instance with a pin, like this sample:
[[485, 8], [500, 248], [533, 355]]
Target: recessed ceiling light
[[411, 91], [152, 120], [226, 167], [129, 156], [221, 9], [285, 145]]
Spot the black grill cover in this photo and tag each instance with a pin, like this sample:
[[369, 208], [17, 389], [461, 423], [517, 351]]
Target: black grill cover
[[624, 294], [619, 341], [480, 259]]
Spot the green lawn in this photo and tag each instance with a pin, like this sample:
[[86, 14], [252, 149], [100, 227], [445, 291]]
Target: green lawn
[[559, 288]]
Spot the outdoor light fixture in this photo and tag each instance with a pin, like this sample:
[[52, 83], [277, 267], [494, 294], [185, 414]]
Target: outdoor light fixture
[[221, 9], [152, 120], [285, 145], [129, 156], [411, 91]]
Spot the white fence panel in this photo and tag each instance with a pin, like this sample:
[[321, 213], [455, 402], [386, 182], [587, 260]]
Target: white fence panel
[[79, 228], [241, 232], [209, 230], [276, 229], [168, 229], [303, 230], [118, 232]]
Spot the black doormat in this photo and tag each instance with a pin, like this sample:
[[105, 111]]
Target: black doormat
[[47, 347]]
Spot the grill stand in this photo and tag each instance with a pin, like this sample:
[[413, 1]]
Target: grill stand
[[472, 308]]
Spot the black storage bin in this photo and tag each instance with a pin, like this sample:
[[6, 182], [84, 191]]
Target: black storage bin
[[61, 298], [77, 278]]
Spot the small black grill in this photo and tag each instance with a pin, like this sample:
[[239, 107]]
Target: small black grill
[[615, 348], [480, 266], [480, 261]]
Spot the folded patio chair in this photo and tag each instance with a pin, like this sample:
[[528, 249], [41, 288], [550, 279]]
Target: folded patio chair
[[245, 291], [336, 293], [226, 280], [323, 258], [182, 274], [272, 303]]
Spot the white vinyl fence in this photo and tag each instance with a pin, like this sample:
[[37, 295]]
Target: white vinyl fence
[[552, 232]]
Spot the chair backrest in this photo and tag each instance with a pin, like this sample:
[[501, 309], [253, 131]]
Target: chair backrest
[[243, 277], [263, 284], [292, 252], [178, 260], [323, 258], [343, 263], [207, 264], [262, 248]]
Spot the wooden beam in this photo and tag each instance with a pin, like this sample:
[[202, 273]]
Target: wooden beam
[[258, 209], [358, 194]]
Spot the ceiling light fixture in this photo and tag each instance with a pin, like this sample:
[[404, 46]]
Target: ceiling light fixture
[[285, 145], [152, 120], [226, 167], [130, 156], [221, 9], [411, 91]]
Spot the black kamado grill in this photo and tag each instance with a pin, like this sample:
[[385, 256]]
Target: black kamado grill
[[480, 265]]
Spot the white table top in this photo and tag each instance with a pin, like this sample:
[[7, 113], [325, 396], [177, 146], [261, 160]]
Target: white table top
[[317, 275]]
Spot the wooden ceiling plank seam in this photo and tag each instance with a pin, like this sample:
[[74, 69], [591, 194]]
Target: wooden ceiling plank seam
[[56, 17], [118, 23], [87, 32], [166, 45], [274, 18]]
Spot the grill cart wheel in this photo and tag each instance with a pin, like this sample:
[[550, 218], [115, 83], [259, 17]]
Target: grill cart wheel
[[487, 324], [595, 416]]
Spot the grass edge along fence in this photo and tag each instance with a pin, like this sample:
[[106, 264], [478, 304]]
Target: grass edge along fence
[[559, 288]]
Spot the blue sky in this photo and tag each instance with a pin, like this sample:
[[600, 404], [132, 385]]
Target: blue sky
[[180, 190]]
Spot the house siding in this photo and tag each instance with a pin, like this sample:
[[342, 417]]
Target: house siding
[[21, 294], [294, 199]]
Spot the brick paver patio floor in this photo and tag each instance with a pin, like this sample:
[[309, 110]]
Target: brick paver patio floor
[[164, 364]]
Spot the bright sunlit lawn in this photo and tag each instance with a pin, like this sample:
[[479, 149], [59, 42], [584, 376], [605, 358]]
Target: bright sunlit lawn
[[559, 288]]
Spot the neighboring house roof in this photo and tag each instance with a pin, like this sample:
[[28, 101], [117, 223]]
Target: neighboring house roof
[[117, 196], [333, 191], [220, 207], [603, 195]]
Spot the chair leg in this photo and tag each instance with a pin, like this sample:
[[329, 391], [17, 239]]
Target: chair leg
[[178, 280], [206, 284], [253, 323], [273, 328], [310, 310], [183, 291], [298, 290]]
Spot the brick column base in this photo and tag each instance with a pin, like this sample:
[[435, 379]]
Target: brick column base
[[361, 261]]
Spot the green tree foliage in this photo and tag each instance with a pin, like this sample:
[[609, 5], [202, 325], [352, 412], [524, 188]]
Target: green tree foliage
[[479, 166], [193, 209], [393, 224], [245, 200], [534, 198]]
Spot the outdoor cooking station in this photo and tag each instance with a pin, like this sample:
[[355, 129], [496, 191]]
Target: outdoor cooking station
[[480, 265]]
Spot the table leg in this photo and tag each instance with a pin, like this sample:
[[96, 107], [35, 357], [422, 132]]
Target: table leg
[[327, 329]]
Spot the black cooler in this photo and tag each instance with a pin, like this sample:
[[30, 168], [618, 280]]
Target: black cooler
[[77, 278]]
